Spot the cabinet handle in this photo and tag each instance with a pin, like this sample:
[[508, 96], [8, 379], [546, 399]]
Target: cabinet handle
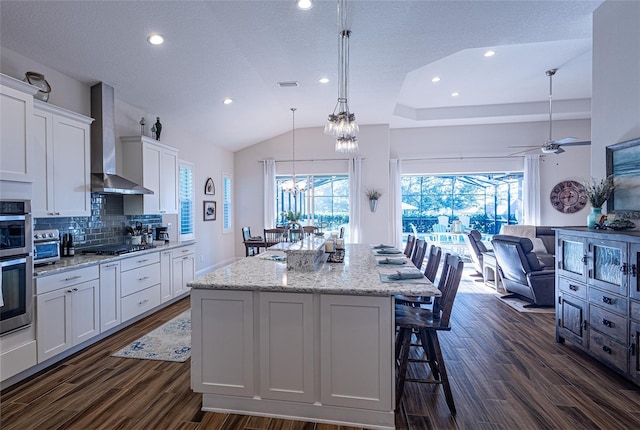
[[143, 302], [573, 287], [185, 258], [606, 349], [69, 291], [142, 261], [143, 278], [111, 265], [634, 270], [606, 322], [584, 259], [72, 278], [632, 348], [584, 324], [607, 300], [624, 268]]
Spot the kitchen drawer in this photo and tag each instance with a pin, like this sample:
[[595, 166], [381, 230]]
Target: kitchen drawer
[[185, 250], [48, 283], [140, 302], [609, 301], [607, 349], [572, 287], [138, 279], [140, 260], [634, 310], [608, 323]]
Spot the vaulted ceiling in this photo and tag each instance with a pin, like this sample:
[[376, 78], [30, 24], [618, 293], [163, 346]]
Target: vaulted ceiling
[[241, 49]]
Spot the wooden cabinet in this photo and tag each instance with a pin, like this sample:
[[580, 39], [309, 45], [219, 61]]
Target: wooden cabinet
[[598, 295], [110, 310], [67, 310], [183, 269], [16, 116], [154, 166], [62, 160], [140, 284]]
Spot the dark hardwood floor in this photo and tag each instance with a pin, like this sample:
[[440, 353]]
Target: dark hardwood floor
[[506, 371]]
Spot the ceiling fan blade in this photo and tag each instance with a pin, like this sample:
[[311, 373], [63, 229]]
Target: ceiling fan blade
[[565, 140], [523, 146], [584, 142], [522, 152], [559, 150]]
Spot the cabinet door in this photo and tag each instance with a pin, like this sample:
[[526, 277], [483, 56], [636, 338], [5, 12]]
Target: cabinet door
[[572, 257], [634, 349], [634, 271], [151, 156], [54, 331], [110, 313], [166, 278], [85, 311], [176, 275], [571, 314], [608, 265], [184, 268], [16, 115], [42, 132], [70, 164], [169, 182]]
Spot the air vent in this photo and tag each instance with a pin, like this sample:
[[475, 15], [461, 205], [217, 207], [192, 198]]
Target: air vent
[[288, 84]]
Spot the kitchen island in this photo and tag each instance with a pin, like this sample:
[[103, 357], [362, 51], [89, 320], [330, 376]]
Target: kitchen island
[[309, 345]]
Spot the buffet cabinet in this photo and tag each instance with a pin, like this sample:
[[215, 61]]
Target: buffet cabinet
[[598, 296]]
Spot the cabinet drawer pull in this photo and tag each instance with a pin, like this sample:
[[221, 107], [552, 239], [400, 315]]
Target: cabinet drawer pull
[[185, 258], [111, 265], [634, 270], [606, 322], [69, 291], [143, 302], [624, 268], [584, 258], [72, 278], [142, 261], [606, 349], [573, 287], [143, 278], [607, 300]]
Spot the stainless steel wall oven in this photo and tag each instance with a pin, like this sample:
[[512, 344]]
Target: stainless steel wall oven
[[16, 263]]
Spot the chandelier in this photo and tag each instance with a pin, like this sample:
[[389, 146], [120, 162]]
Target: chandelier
[[342, 123], [292, 186]]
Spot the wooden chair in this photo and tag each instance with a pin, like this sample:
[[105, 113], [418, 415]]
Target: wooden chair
[[419, 253], [310, 230], [274, 235], [426, 323], [252, 244], [341, 235], [408, 249], [430, 272]]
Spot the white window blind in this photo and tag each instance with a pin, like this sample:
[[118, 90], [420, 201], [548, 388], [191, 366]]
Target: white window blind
[[227, 204], [186, 201]]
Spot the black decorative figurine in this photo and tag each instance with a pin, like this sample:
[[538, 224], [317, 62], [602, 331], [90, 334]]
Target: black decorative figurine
[[158, 127]]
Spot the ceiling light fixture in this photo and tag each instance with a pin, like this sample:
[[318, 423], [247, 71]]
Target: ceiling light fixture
[[155, 39], [292, 186], [490, 53], [435, 79], [342, 123], [227, 100], [323, 80], [455, 94], [304, 4]]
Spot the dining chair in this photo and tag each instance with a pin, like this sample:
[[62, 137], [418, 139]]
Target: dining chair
[[310, 230], [274, 235], [427, 323], [418, 255]]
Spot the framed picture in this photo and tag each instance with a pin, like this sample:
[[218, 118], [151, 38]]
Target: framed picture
[[209, 188], [623, 162], [209, 211]]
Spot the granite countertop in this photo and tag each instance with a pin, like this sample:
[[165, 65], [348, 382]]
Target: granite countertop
[[358, 275], [79, 260], [308, 244]]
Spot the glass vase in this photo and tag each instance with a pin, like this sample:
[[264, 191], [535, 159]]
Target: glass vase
[[593, 216]]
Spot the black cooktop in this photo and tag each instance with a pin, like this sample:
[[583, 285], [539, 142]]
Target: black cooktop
[[116, 249]]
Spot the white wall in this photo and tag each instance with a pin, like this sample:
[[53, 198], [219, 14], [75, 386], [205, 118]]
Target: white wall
[[213, 248], [616, 78]]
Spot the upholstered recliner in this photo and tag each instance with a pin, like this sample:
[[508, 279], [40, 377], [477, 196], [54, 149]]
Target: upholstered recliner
[[522, 274], [476, 248]]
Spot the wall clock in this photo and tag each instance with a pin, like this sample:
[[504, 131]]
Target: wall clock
[[568, 197]]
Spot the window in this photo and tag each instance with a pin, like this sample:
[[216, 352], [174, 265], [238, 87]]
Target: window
[[186, 201], [325, 203], [227, 204]]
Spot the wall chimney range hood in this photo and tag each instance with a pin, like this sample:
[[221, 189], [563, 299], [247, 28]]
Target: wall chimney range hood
[[104, 179]]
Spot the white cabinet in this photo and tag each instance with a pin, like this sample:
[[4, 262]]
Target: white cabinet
[[67, 310], [16, 116], [154, 166], [110, 312], [62, 160], [140, 284], [166, 279], [183, 269]]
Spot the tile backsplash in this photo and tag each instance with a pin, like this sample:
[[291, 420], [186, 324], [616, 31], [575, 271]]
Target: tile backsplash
[[105, 226]]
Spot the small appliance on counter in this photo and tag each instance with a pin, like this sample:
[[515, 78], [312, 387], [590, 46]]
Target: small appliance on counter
[[46, 245], [162, 234]]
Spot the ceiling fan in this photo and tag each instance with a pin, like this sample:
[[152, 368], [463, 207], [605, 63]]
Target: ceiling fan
[[552, 146]]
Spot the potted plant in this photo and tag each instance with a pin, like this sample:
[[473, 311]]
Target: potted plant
[[373, 194], [598, 191]]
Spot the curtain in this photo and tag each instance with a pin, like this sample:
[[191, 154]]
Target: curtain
[[395, 197], [355, 198], [531, 190], [269, 193]]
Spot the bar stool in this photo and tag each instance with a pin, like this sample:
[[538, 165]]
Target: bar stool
[[418, 254], [426, 323], [430, 272], [408, 249]]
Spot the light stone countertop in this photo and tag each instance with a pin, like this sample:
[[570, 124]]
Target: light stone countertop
[[358, 275], [85, 260]]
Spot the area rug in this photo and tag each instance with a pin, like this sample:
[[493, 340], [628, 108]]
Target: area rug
[[169, 342], [518, 305]]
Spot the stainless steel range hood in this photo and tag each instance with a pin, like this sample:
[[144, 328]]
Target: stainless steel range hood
[[104, 179]]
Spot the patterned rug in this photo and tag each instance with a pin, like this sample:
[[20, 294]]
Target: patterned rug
[[169, 342], [518, 305]]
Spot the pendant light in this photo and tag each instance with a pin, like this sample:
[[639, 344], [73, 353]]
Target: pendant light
[[292, 186]]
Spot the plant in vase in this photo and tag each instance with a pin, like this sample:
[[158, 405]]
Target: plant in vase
[[373, 195], [598, 191]]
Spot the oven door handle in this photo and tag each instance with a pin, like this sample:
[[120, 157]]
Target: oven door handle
[[13, 217], [48, 242], [13, 262]]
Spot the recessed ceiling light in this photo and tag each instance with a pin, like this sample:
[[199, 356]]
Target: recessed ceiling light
[[227, 101], [323, 80], [304, 4], [155, 39], [435, 79], [455, 94], [490, 53]]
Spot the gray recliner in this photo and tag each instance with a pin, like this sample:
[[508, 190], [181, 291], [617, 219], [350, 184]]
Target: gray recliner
[[522, 274], [476, 248]]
